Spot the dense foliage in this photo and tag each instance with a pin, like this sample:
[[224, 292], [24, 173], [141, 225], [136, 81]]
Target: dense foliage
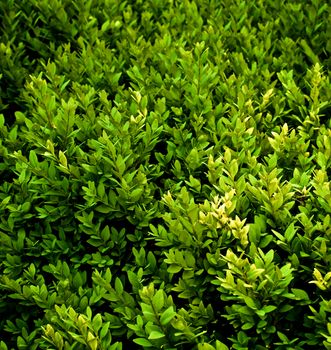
[[165, 174]]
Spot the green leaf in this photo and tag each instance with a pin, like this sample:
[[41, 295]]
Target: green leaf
[[233, 168], [20, 239], [174, 268], [33, 159], [21, 343], [136, 194], [105, 233], [77, 280], [104, 330], [134, 280], [63, 159], [105, 26], [290, 232], [12, 137], [2, 121], [308, 51], [97, 322], [143, 342], [3, 346], [156, 335], [193, 159], [104, 209], [269, 308], [194, 183], [5, 201], [283, 337], [118, 286], [92, 341], [221, 346], [120, 165], [158, 300], [167, 316], [300, 294], [205, 346], [101, 190], [248, 325], [58, 340], [250, 302]]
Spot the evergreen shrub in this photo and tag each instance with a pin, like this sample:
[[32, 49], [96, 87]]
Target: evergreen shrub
[[164, 174]]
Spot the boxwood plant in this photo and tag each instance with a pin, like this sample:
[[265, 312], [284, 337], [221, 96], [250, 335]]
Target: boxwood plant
[[164, 174]]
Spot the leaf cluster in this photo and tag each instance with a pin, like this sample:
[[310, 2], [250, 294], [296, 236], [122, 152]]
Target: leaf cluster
[[165, 174]]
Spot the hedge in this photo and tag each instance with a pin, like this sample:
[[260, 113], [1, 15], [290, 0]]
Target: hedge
[[165, 174]]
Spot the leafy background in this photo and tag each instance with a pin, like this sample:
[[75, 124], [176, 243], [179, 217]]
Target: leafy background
[[165, 174]]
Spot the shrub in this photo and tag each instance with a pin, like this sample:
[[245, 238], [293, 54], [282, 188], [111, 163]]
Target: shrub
[[165, 175]]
